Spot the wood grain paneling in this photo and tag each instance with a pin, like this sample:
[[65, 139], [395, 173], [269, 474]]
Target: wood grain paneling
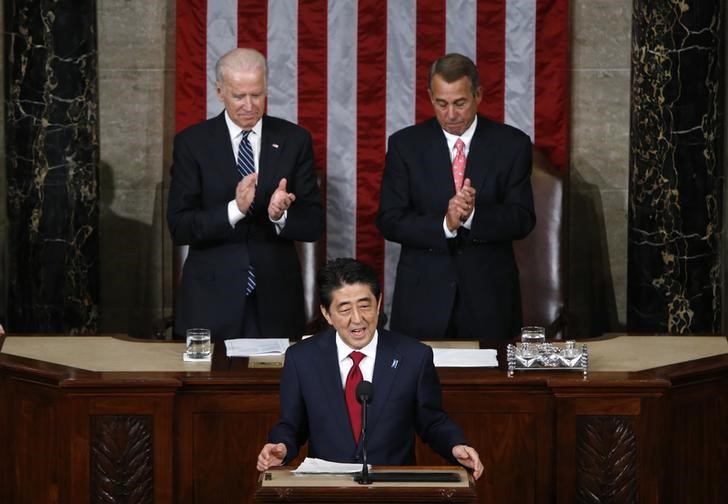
[[75, 437]]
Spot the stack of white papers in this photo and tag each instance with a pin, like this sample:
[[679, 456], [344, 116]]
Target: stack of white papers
[[465, 357], [248, 347], [320, 466]]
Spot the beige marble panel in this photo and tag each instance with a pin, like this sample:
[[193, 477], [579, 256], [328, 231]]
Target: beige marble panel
[[597, 266], [615, 212], [600, 121], [133, 33], [591, 303], [136, 113], [131, 112], [599, 170], [131, 296], [601, 31]]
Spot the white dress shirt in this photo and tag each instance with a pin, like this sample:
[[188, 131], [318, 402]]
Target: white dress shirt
[[367, 363], [236, 136], [466, 137]]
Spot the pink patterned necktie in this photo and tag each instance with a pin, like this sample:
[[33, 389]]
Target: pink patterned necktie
[[352, 380], [458, 164]]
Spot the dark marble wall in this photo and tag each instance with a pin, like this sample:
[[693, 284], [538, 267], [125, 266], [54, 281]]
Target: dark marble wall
[[676, 167], [52, 153]]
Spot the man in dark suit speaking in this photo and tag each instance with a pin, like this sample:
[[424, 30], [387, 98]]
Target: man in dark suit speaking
[[321, 373], [456, 193], [243, 189]]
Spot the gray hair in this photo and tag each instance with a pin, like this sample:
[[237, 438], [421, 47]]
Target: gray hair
[[242, 58]]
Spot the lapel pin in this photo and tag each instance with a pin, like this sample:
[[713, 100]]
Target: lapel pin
[[275, 146], [394, 363]]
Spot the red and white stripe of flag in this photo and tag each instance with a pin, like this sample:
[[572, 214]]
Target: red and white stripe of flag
[[354, 71]]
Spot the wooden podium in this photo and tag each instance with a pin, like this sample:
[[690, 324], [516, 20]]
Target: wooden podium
[[85, 417], [282, 485]]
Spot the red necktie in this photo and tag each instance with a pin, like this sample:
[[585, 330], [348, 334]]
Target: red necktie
[[352, 380], [458, 164]]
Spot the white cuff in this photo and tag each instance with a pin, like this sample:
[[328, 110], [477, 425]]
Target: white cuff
[[280, 223], [448, 233], [234, 213]]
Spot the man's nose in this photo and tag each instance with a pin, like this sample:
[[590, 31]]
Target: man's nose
[[355, 315]]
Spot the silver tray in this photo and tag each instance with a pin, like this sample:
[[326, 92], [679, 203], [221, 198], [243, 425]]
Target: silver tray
[[565, 356]]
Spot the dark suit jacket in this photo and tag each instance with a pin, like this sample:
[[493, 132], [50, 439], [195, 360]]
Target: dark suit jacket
[[406, 399], [479, 264], [204, 177]]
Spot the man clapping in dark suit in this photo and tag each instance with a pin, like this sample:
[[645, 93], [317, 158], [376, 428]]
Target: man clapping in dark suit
[[243, 188], [456, 193], [320, 374]]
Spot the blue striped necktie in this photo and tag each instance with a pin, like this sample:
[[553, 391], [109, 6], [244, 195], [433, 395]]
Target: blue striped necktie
[[246, 166], [245, 163]]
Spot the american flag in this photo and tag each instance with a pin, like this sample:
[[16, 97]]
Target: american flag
[[355, 71]]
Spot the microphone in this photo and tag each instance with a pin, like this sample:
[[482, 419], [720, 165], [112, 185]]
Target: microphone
[[364, 392]]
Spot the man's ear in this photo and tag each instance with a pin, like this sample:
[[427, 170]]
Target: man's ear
[[379, 304], [478, 95], [325, 313]]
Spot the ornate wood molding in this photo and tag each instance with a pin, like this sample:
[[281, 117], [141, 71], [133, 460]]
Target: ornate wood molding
[[122, 466], [606, 455]]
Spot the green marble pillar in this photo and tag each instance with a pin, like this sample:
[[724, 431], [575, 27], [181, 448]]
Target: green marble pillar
[[676, 167], [52, 154]]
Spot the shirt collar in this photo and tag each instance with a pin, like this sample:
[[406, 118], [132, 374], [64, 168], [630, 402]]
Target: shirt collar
[[343, 350], [466, 137], [235, 130]]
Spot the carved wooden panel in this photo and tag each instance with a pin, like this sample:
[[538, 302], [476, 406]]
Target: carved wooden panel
[[122, 469], [606, 458]]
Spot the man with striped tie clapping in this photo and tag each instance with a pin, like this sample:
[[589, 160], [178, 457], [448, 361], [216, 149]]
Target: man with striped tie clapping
[[243, 189]]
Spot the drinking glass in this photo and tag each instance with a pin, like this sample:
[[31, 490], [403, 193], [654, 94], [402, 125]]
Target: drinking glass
[[198, 343], [534, 335]]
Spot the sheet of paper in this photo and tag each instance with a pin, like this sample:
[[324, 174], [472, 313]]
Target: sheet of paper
[[246, 347], [319, 466], [464, 357]]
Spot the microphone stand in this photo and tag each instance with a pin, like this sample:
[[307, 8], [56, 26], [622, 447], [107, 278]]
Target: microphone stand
[[364, 396], [364, 479]]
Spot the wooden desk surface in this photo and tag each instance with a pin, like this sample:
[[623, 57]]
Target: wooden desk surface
[[285, 477], [282, 485], [113, 354]]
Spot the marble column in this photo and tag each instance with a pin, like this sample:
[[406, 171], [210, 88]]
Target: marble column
[[52, 159], [676, 167]]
